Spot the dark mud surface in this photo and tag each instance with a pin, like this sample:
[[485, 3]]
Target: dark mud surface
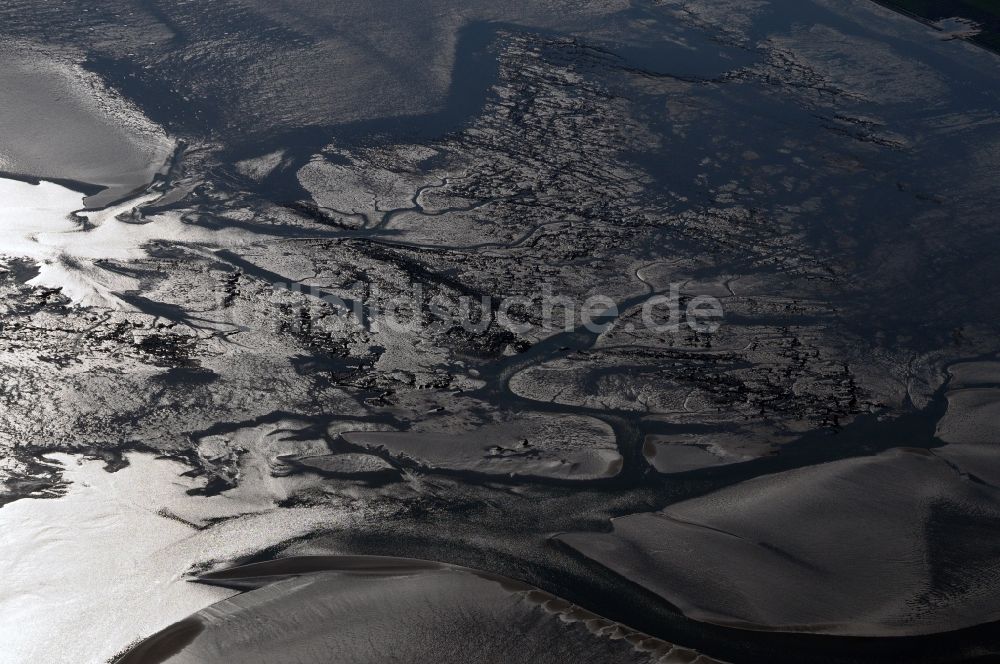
[[814, 480]]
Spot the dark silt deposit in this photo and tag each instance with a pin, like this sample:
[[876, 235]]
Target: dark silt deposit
[[592, 331]]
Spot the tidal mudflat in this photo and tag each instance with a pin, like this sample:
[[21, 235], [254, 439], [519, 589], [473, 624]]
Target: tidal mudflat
[[330, 330]]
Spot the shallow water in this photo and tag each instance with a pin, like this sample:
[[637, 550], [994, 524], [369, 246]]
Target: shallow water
[[63, 124]]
